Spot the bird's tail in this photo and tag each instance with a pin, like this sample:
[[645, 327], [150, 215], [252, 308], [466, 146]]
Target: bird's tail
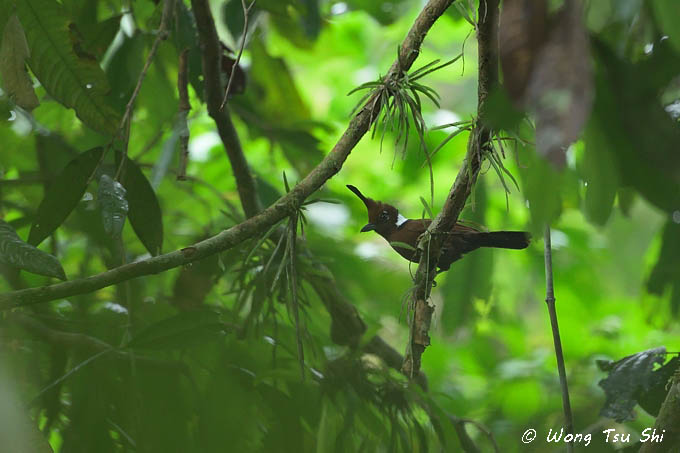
[[504, 239]]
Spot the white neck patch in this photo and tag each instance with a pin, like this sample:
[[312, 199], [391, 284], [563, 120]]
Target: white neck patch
[[400, 220]]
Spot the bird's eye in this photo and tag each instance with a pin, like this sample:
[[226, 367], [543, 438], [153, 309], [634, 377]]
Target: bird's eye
[[384, 215]]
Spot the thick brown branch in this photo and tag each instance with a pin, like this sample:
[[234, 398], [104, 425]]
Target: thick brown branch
[[431, 241], [667, 423], [258, 224], [211, 52]]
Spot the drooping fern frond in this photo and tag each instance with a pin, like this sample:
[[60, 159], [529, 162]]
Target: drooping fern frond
[[395, 102]]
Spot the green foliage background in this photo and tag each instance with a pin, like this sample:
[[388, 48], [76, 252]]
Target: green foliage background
[[229, 379]]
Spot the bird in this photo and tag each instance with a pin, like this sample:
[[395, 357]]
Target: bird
[[386, 220]]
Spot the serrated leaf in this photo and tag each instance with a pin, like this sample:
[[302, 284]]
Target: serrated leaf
[[144, 210], [17, 253], [186, 329], [72, 77], [63, 195], [114, 206], [13, 55]]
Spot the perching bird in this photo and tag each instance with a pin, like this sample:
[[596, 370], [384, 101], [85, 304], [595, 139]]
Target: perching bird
[[385, 220]]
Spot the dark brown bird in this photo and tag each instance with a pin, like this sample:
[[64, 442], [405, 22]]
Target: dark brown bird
[[385, 220]]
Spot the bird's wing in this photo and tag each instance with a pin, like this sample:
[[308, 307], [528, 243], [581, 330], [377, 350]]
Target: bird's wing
[[460, 228], [417, 226]]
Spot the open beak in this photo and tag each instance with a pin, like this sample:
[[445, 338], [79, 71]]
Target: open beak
[[368, 227]]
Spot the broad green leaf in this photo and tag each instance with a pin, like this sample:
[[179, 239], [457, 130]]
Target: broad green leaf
[[181, 331], [329, 427], [13, 55], [666, 271], [113, 204], [17, 253], [63, 195], [144, 210], [383, 11], [667, 14], [542, 186], [68, 74], [280, 98], [98, 36], [601, 174], [631, 117], [158, 94], [298, 21], [626, 198]]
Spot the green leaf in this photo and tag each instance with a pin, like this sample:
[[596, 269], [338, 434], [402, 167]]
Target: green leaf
[[71, 76], [601, 174], [626, 197], [542, 186], [114, 206], [285, 182], [98, 36], [635, 125], [427, 208], [13, 55], [403, 245], [278, 97], [384, 11], [63, 195], [186, 329], [329, 427], [144, 210], [17, 253], [667, 14], [666, 271]]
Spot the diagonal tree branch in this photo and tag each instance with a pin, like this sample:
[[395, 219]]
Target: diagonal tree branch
[[430, 243], [259, 223]]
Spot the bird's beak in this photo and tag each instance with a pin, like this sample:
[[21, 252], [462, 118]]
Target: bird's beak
[[368, 227]]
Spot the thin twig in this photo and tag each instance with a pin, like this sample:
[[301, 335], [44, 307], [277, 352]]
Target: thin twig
[[124, 126], [161, 35], [246, 11], [182, 112], [550, 302]]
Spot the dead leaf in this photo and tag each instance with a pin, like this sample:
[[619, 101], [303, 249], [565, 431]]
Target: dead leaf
[[14, 52]]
